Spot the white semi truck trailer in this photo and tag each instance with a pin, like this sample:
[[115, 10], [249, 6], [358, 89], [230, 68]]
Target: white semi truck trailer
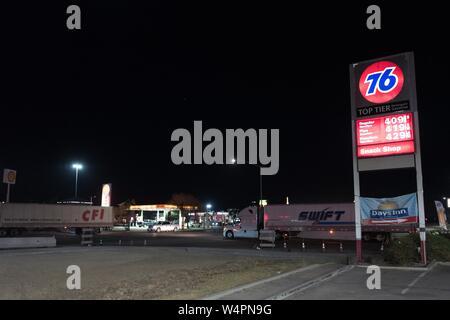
[[16, 218], [325, 221]]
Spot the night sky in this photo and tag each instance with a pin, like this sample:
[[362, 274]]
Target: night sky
[[110, 95]]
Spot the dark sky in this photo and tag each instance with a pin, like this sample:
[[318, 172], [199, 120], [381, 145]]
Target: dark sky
[[110, 95]]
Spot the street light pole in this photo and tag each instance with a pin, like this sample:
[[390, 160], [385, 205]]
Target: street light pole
[[7, 192], [77, 167], [76, 182], [260, 187], [260, 205], [208, 208]]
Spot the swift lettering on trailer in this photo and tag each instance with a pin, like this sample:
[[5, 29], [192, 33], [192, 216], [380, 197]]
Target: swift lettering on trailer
[[320, 215]]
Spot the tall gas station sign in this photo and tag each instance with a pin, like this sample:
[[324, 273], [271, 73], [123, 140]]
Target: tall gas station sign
[[385, 126]]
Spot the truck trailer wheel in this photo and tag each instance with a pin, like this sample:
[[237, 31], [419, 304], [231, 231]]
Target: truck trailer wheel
[[14, 232], [387, 239], [278, 235], [381, 237], [229, 234], [3, 233]]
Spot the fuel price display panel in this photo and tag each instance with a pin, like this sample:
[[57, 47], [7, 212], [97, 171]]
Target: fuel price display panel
[[385, 136]]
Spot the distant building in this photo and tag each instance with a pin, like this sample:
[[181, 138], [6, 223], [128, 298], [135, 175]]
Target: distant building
[[77, 202], [146, 214]]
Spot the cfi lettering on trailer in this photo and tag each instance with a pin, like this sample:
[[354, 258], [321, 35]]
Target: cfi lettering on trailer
[[92, 215]]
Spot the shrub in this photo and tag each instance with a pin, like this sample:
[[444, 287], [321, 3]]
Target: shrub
[[404, 251], [438, 247]]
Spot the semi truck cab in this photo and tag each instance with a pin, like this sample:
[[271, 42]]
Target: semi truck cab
[[244, 226]]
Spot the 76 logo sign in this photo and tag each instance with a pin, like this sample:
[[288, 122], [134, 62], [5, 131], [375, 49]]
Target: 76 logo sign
[[381, 82]]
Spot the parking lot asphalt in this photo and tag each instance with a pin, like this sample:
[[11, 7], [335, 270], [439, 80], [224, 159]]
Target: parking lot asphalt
[[330, 281], [396, 284]]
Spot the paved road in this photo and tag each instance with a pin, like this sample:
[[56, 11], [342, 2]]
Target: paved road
[[208, 239], [337, 282], [211, 239]]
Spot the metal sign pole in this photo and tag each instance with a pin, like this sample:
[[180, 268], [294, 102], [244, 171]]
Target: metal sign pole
[[7, 192], [356, 187], [418, 161], [356, 200], [422, 228]]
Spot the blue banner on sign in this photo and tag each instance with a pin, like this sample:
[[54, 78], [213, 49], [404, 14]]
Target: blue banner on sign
[[397, 210]]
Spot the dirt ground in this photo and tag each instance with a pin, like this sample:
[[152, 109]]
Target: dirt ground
[[198, 282], [132, 273]]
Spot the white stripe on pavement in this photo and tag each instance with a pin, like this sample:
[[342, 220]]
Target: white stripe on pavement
[[395, 268], [311, 283], [253, 284], [420, 276]]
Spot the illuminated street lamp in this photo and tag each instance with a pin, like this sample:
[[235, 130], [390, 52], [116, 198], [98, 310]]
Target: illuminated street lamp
[[77, 167], [208, 208]]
